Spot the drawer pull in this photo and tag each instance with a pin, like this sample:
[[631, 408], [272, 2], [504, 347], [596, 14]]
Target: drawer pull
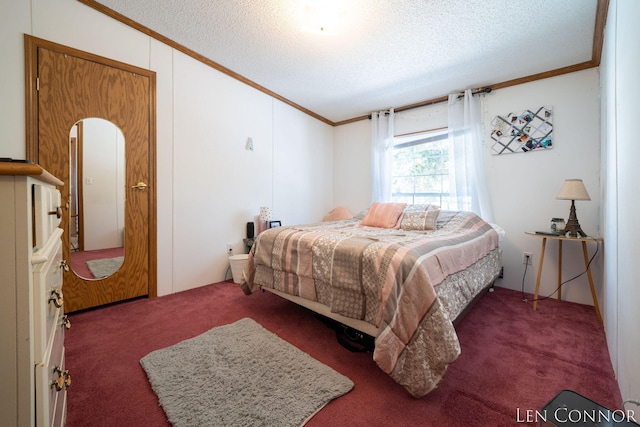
[[66, 322], [63, 265], [63, 380], [56, 298], [57, 212]]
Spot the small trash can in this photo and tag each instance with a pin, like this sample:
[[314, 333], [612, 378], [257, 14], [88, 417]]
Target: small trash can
[[237, 265]]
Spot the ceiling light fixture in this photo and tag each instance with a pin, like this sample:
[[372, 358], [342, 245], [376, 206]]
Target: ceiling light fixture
[[322, 16]]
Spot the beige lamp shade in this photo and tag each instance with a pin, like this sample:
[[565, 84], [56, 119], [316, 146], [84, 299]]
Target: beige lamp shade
[[573, 189]]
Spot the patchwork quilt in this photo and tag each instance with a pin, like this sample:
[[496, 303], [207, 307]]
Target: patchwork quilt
[[388, 277]]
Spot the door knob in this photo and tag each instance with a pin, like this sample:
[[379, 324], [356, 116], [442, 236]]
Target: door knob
[[140, 186]]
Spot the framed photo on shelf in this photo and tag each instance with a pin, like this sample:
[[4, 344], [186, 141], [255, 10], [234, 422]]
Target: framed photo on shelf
[[274, 224]]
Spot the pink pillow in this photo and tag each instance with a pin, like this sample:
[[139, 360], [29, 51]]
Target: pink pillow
[[383, 215], [337, 214]]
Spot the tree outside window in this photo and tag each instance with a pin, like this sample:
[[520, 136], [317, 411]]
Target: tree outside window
[[421, 169]]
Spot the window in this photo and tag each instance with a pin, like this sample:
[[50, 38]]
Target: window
[[421, 169]]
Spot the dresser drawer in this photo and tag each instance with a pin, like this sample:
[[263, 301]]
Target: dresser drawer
[[52, 381], [47, 294], [47, 213]]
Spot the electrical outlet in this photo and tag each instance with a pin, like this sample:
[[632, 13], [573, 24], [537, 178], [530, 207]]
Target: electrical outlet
[[229, 249], [526, 258]]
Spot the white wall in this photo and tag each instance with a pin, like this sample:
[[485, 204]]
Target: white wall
[[621, 106], [302, 165], [14, 21], [218, 184], [523, 186], [352, 166], [103, 187], [208, 185]]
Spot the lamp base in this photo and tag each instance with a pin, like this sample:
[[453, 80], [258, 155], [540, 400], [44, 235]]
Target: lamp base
[[573, 226]]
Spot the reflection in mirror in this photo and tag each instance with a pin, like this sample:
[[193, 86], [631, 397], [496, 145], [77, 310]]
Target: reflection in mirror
[[97, 198]]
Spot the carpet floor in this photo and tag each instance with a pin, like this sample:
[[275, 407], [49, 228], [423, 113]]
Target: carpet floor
[[513, 359]]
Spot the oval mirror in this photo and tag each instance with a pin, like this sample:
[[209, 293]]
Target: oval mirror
[[97, 198]]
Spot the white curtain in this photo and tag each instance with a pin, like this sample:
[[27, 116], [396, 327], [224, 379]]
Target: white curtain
[[469, 190], [382, 130]]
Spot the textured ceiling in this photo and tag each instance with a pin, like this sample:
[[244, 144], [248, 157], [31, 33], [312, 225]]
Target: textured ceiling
[[376, 54]]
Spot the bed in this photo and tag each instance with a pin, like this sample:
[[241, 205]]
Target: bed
[[400, 273]]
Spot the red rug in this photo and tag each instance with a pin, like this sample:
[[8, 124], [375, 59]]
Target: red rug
[[513, 359]]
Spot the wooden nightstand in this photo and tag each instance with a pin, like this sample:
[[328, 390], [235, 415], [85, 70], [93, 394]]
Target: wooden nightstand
[[560, 239]]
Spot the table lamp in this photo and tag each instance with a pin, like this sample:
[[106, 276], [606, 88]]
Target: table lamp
[[573, 189], [265, 216]]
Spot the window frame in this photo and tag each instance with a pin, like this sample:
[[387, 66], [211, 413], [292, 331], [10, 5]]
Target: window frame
[[416, 139]]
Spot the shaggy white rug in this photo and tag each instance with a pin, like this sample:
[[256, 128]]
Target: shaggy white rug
[[104, 267], [240, 375]]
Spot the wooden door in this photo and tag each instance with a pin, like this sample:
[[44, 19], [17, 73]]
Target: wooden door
[[69, 86]]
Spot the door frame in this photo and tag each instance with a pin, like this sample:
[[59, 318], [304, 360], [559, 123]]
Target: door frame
[[80, 189], [31, 46]]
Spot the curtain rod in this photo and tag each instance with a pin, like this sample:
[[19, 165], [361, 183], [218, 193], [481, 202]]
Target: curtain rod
[[477, 92]]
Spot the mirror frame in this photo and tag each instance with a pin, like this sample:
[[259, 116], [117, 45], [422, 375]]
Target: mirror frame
[[105, 140]]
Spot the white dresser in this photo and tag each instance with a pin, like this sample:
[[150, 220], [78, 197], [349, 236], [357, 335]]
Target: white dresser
[[33, 376]]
